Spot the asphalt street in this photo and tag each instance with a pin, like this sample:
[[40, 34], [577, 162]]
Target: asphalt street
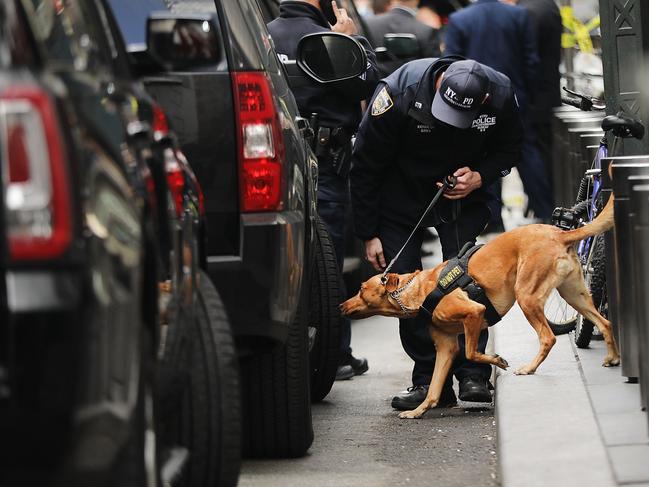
[[360, 441]]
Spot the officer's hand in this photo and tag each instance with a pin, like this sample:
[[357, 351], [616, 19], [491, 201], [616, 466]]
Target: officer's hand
[[374, 253], [344, 25], [467, 181]]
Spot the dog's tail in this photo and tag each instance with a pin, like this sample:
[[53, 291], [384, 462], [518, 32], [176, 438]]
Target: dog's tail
[[600, 224]]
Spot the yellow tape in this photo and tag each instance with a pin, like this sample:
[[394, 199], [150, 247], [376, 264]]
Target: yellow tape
[[578, 33]]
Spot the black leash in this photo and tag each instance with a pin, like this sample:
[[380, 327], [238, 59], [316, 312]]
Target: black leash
[[449, 183]]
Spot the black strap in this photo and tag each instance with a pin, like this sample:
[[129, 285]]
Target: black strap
[[477, 294], [455, 275]]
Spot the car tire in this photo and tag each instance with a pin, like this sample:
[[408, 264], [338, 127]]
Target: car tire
[[275, 397], [324, 316], [202, 404], [138, 462]]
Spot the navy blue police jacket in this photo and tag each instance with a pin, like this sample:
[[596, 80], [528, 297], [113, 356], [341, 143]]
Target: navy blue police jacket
[[402, 151], [336, 105]]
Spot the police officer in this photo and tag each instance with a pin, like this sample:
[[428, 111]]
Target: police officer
[[429, 119], [339, 113]]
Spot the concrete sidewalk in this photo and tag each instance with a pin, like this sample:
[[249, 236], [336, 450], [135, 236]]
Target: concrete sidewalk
[[573, 423]]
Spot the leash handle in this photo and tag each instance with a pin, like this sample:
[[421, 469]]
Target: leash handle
[[448, 183]]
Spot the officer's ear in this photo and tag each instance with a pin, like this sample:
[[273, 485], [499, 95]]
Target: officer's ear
[[392, 283]]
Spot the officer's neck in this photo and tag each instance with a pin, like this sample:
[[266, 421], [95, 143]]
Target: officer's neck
[[315, 3], [438, 80]]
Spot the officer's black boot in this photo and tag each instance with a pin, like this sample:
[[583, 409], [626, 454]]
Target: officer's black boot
[[474, 389]]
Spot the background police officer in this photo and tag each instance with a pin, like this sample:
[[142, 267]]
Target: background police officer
[[429, 119], [339, 112]]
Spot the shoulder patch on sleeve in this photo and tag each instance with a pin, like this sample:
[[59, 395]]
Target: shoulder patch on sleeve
[[382, 103]]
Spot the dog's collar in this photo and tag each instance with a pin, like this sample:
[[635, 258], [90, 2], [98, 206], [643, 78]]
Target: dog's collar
[[397, 293]]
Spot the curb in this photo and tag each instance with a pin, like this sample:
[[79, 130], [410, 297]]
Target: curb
[[547, 430]]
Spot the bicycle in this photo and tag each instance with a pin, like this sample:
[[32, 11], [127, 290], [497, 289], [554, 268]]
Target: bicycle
[[591, 251]]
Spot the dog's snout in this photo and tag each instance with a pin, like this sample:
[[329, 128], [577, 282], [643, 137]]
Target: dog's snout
[[352, 307]]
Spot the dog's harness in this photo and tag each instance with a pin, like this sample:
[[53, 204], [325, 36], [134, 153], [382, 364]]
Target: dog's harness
[[455, 275]]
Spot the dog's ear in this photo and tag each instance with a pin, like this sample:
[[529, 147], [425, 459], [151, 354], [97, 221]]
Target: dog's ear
[[392, 283]]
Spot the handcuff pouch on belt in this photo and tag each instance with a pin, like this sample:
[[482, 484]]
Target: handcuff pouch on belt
[[334, 149], [455, 275]]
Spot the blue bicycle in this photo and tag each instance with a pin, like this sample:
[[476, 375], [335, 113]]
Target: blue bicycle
[[591, 252]]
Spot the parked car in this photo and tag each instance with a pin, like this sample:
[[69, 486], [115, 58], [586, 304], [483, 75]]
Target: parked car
[[269, 256], [115, 348]]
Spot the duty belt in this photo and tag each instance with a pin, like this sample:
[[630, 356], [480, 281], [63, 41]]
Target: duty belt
[[333, 147], [455, 275]]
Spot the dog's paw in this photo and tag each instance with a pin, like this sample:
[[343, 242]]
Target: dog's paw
[[501, 362], [611, 361], [525, 370], [410, 414]]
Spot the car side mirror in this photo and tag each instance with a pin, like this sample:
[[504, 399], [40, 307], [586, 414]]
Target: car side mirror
[[182, 41], [329, 57], [401, 46]]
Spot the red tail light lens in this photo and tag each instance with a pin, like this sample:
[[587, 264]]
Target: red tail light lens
[[180, 157], [17, 154], [175, 180], [37, 192], [260, 144], [160, 124]]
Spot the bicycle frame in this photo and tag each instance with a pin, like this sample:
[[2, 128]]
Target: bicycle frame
[[584, 246]]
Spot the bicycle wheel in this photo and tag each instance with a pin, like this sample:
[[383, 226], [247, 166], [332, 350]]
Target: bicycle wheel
[[595, 278], [561, 317]]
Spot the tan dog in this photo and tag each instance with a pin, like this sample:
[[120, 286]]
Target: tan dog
[[522, 265]]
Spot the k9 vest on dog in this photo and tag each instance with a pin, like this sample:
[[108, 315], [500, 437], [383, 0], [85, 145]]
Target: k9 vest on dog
[[455, 275]]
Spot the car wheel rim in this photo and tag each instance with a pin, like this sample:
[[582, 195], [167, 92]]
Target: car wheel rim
[[150, 461]]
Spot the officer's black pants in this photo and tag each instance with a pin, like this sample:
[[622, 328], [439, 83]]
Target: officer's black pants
[[332, 214], [414, 332]]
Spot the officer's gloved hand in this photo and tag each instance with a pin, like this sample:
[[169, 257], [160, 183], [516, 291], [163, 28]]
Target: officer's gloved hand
[[344, 24]]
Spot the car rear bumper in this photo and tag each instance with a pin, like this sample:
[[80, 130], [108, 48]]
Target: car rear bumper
[[35, 291], [45, 360], [261, 286], [39, 370]]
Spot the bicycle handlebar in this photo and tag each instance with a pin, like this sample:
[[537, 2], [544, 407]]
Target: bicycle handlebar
[[575, 102], [582, 102]]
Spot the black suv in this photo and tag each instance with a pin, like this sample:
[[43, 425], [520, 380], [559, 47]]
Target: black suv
[[268, 255], [114, 347]]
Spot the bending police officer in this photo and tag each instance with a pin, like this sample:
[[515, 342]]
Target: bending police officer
[[429, 119], [338, 108]]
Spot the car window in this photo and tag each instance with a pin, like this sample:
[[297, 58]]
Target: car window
[[115, 39], [68, 32], [253, 14], [16, 46], [132, 16]]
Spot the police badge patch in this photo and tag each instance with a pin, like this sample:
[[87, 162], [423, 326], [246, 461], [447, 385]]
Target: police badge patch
[[382, 103]]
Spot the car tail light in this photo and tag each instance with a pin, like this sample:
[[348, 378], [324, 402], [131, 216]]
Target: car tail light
[[260, 144], [175, 180], [160, 124], [180, 157], [37, 190]]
